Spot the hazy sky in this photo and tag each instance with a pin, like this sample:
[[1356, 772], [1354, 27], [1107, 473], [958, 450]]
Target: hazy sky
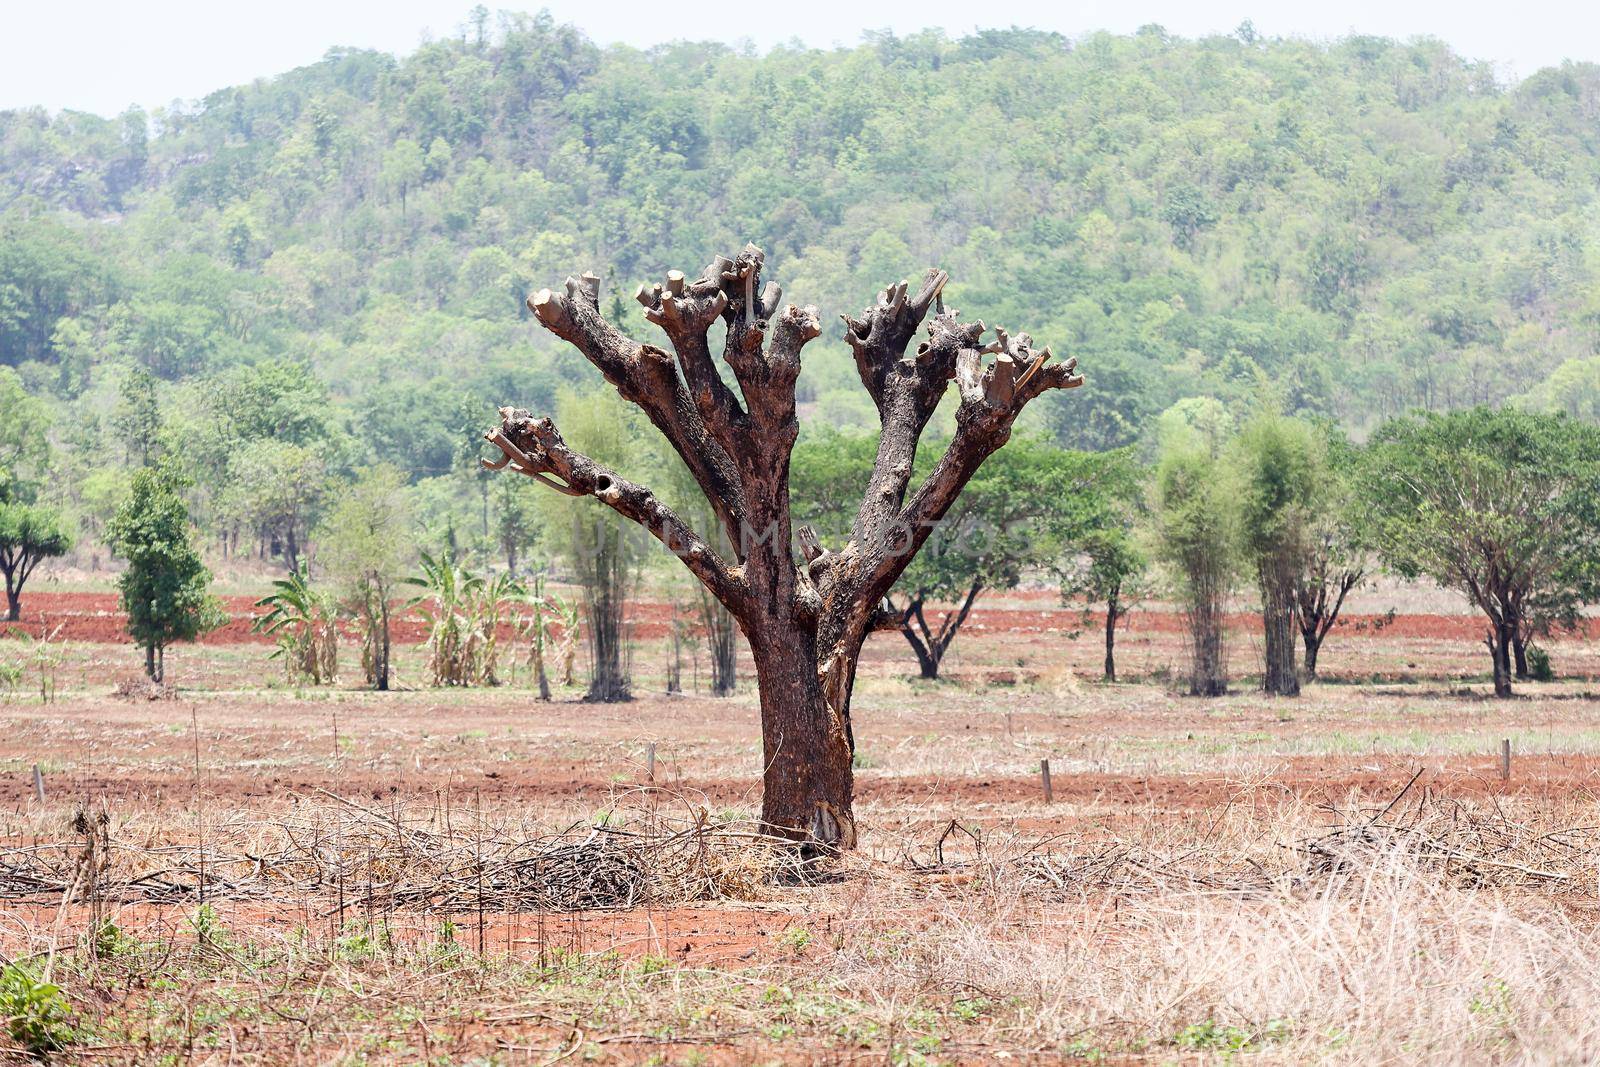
[[103, 55]]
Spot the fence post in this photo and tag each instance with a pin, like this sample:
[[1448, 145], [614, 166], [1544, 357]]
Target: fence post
[[1044, 775]]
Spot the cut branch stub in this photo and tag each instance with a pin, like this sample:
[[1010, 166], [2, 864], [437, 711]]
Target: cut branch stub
[[880, 336]]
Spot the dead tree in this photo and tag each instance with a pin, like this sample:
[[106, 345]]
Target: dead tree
[[806, 614]]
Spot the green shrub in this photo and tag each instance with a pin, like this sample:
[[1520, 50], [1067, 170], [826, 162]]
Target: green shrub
[[1539, 668], [37, 1016]]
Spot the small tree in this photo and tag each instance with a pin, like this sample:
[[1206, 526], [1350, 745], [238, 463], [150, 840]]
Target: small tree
[[1108, 565], [1500, 504], [1196, 534], [365, 543], [1018, 513], [1336, 556], [136, 419], [597, 544], [29, 533], [1278, 478], [165, 587]]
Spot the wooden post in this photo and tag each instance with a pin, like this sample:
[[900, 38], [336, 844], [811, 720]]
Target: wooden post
[[650, 762], [1008, 726], [1505, 760], [38, 783], [1044, 776]]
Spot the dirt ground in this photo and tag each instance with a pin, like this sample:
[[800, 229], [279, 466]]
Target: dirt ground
[[856, 966]]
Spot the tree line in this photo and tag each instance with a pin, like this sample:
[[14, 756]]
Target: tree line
[[1500, 505]]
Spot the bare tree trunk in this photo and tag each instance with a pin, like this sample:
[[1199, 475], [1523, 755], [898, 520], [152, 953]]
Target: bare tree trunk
[[1113, 613], [1313, 645], [722, 633], [809, 777], [1519, 649], [383, 642], [1208, 672], [1500, 640], [150, 663], [13, 604]]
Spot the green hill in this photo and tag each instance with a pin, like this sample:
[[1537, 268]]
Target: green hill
[[1365, 227]]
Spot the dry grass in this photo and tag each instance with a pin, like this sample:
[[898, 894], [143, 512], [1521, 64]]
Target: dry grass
[[1420, 929]]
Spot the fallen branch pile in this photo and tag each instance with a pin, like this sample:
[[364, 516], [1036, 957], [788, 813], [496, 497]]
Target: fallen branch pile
[[437, 859]]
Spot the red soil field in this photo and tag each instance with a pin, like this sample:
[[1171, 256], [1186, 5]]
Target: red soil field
[[94, 617]]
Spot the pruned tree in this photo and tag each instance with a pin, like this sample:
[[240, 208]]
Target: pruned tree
[[805, 616]]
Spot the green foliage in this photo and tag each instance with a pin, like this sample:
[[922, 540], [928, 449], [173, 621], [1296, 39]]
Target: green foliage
[[464, 612], [1105, 563], [1280, 477], [36, 1014], [302, 622], [365, 543], [165, 586], [1539, 666], [29, 533], [24, 440], [1196, 537], [1366, 226], [1500, 504]]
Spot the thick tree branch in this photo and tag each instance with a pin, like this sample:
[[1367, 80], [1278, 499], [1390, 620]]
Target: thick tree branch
[[992, 396], [535, 448], [910, 391], [879, 337], [646, 376]]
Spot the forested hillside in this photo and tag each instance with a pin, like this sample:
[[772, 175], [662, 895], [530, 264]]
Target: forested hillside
[[1358, 229]]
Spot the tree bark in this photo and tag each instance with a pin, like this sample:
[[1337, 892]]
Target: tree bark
[[382, 671], [1279, 677], [1113, 612], [1500, 641], [1313, 645], [807, 754], [13, 604], [1519, 649]]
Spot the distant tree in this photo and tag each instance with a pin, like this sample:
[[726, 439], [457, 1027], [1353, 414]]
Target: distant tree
[[165, 586], [1336, 558], [24, 429], [1500, 504], [515, 518], [276, 488], [136, 419], [1026, 505], [596, 544], [29, 533], [1279, 477], [365, 543], [403, 168], [1107, 564], [1196, 525]]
